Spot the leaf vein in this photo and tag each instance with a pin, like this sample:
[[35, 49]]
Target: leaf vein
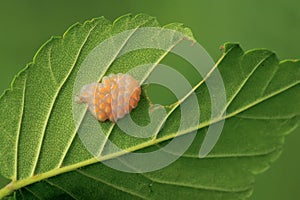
[[198, 187], [111, 185], [76, 129], [241, 116], [62, 189], [35, 195], [269, 81], [55, 98], [141, 82], [187, 95], [19, 130], [50, 66], [245, 81]]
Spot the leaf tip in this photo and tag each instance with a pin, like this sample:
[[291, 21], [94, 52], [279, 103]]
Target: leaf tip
[[228, 46]]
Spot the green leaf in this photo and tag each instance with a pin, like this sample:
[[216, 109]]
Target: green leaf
[[44, 158]]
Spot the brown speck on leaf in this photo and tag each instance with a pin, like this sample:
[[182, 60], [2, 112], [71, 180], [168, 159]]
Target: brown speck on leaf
[[222, 48]]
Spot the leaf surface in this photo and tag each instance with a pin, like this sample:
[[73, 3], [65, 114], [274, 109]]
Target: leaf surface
[[44, 158]]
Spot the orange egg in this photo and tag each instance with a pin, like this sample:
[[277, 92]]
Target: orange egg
[[112, 99]]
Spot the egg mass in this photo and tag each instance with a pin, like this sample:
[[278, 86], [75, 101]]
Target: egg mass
[[113, 98]]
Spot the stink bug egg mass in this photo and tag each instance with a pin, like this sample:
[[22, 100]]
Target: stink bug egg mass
[[111, 99]]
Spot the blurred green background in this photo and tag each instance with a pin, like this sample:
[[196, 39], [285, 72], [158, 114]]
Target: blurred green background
[[26, 25]]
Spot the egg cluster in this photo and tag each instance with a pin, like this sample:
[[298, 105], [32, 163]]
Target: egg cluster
[[113, 98]]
